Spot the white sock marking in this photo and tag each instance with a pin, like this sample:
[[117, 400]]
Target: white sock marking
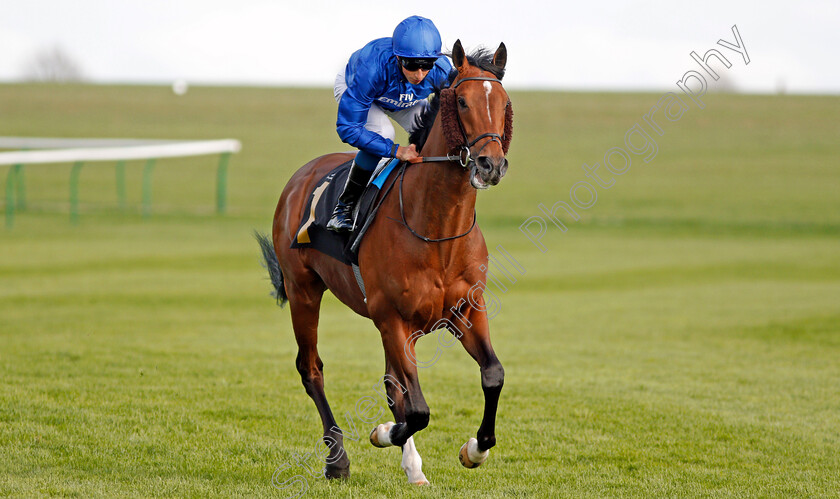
[[474, 454], [412, 463], [383, 433]]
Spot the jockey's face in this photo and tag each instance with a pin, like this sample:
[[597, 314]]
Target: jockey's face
[[415, 77], [416, 69]]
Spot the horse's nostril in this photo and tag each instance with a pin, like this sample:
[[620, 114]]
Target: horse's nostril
[[488, 164], [485, 164]]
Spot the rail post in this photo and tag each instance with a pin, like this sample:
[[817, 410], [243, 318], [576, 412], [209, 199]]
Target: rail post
[[21, 187], [10, 198], [221, 183]]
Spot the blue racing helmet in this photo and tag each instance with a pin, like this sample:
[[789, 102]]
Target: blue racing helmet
[[416, 37]]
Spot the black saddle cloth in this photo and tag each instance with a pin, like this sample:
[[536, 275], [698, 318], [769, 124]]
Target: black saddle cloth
[[312, 231]]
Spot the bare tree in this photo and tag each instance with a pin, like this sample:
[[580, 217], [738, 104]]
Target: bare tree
[[53, 64]]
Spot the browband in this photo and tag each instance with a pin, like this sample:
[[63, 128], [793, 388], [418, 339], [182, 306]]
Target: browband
[[480, 78]]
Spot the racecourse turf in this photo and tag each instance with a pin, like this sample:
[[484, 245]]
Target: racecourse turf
[[680, 340]]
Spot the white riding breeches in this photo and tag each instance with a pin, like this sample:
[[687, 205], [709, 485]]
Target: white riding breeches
[[377, 120]]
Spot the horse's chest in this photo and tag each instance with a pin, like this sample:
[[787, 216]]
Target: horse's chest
[[424, 299]]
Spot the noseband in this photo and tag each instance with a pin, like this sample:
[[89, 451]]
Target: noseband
[[465, 156], [468, 144]]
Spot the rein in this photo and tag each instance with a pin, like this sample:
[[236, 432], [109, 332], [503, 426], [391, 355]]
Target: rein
[[463, 158], [405, 222]]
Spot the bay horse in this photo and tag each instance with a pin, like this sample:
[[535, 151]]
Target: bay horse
[[415, 283]]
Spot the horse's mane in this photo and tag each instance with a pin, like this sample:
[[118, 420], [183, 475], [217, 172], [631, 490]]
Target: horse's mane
[[481, 58]]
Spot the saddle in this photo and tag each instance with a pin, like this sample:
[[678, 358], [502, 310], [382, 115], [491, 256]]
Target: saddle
[[312, 231]]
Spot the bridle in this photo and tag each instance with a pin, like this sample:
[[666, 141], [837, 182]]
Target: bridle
[[463, 158]]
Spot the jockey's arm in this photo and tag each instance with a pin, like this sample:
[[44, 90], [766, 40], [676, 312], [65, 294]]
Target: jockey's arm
[[350, 126], [353, 109]]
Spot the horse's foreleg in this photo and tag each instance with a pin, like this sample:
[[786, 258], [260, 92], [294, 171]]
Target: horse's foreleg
[[476, 341], [399, 349], [305, 307], [405, 400]]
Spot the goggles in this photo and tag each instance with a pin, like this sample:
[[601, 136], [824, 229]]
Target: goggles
[[413, 64]]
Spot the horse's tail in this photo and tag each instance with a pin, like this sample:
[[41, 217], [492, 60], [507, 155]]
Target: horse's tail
[[273, 267]]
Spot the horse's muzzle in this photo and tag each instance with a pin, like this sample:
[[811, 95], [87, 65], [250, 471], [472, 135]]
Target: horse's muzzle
[[489, 171]]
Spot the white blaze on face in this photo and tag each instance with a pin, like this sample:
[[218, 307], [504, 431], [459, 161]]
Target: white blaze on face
[[487, 88]]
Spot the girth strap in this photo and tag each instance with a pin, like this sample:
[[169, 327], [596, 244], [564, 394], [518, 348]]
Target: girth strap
[[358, 273]]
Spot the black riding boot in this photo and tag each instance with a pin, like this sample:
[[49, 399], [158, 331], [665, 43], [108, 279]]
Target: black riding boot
[[342, 217]]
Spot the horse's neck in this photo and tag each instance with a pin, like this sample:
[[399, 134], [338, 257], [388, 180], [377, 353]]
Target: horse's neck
[[439, 197]]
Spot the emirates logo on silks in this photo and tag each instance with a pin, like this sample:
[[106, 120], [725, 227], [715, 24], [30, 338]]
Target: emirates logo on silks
[[406, 100]]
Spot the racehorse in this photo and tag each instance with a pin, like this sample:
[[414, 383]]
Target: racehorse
[[420, 260]]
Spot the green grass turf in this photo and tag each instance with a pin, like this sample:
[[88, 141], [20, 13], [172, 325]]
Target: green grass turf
[[681, 339]]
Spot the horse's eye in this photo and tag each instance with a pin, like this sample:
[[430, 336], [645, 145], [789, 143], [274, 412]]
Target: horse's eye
[[462, 102]]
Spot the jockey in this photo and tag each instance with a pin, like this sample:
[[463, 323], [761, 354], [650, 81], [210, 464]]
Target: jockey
[[387, 77]]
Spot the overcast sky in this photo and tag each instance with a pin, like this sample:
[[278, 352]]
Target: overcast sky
[[566, 45]]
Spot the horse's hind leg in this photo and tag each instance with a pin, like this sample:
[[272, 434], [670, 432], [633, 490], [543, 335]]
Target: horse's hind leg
[[305, 303], [412, 463], [405, 399]]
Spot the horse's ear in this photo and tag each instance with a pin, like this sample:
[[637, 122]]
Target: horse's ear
[[458, 56], [500, 57]]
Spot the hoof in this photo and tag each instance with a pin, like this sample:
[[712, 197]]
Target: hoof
[[423, 481], [336, 473], [380, 436], [470, 456]]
